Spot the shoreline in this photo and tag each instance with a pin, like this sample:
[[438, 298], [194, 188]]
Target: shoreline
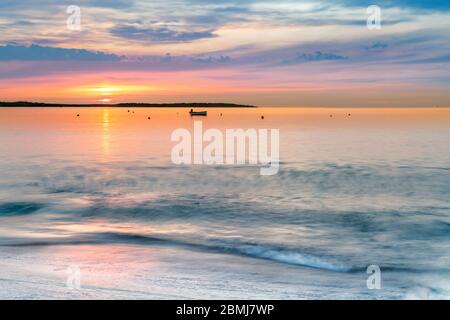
[[160, 272], [206, 106], [124, 105]]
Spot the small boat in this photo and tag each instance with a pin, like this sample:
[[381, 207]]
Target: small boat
[[198, 113]]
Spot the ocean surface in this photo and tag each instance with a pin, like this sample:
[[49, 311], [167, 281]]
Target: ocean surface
[[98, 192]]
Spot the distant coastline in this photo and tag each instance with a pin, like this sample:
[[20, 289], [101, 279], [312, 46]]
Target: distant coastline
[[127, 105]]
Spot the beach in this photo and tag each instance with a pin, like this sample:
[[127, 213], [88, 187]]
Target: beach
[[136, 272]]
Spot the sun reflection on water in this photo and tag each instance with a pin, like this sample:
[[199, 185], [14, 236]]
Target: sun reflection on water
[[106, 132]]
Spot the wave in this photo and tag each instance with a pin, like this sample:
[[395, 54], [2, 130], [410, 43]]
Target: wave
[[290, 257], [249, 250], [438, 291], [293, 178]]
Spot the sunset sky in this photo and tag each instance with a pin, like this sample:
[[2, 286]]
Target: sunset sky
[[262, 52]]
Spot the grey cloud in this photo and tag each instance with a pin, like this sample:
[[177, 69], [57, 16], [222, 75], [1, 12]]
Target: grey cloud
[[313, 57], [21, 4], [434, 5], [159, 34], [39, 53], [376, 46], [210, 59], [436, 59], [167, 58]]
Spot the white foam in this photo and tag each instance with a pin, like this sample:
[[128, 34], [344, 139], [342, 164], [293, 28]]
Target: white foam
[[294, 258]]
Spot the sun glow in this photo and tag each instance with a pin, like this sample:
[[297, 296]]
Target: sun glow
[[105, 92]]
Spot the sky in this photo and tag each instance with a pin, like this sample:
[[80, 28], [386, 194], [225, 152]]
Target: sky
[[259, 52]]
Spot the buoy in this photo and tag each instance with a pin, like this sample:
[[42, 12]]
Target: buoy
[[148, 118], [262, 117], [78, 115]]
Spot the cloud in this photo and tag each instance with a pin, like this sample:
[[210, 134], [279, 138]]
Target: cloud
[[436, 59], [313, 57], [159, 34], [376, 46], [436, 5], [43, 53], [320, 56], [21, 4], [166, 58], [117, 4], [210, 59]]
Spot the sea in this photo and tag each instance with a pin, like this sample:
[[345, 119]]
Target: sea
[[92, 206]]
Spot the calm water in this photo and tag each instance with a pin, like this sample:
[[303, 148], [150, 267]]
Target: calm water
[[362, 187]]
